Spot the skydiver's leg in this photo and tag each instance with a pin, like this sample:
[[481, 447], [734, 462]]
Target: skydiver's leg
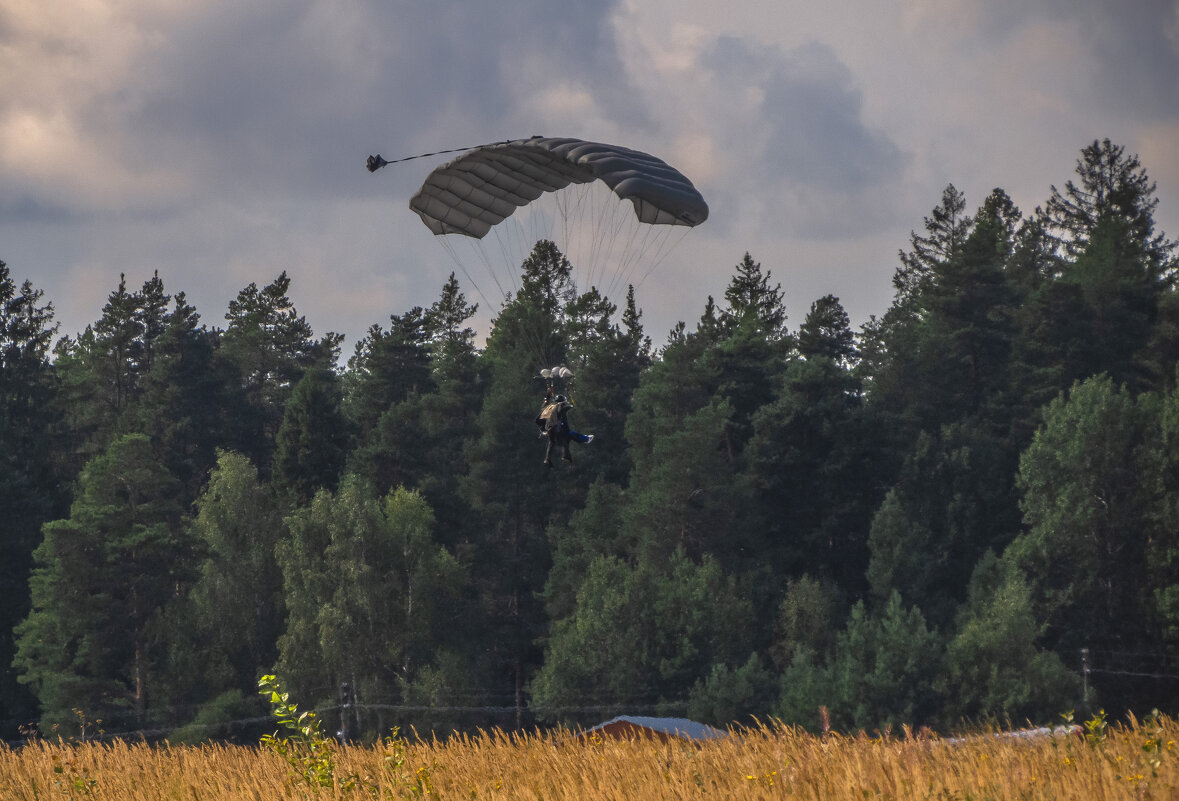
[[568, 431], [567, 456], [548, 451]]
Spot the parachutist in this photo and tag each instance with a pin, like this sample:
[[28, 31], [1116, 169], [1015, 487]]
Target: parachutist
[[553, 421]]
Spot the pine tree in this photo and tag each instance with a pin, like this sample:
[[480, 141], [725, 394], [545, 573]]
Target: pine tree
[[750, 354], [753, 302], [608, 361], [1100, 314], [30, 484], [187, 397], [946, 229], [815, 472], [1113, 186], [387, 367], [880, 672], [826, 333], [270, 347], [312, 441], [103, 575], [413, 393]]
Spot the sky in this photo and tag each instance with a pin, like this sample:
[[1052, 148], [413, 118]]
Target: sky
[[221, 143]]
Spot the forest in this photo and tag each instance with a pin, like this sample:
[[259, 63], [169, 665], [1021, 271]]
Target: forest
[[965, 510]]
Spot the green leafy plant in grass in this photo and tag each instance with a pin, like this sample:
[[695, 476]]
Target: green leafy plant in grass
[[1096, 728], [74, 781], [304, 746], [312, 756]]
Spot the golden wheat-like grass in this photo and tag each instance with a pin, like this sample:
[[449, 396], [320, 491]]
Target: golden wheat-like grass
[[1133, 762]]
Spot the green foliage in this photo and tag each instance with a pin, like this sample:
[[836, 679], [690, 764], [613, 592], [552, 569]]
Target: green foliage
[[31, 480], [995, 668], [682, 618], [753, 303], [215, 720], [73, 781], [806, 619], [312, 440], [368, 591], [102, 577], [733, 696], [232, 617], [269, 346], [311, 756], [389, 525], [1084, 500], [1096, 728], [880, 671], [813, 474], [952, 501]]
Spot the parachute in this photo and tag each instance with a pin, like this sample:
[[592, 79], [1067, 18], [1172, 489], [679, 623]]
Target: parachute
[[484, 187], [549, 373], [490, 205]]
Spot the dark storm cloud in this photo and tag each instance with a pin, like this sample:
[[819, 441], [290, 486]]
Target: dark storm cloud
[[804, 139], [1136, 50], [293, 99], [1130, 48]]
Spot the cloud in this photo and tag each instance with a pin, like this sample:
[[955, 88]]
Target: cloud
[[222, 142], [776, 135], [1124, 55], [275, 96], [69, 71]]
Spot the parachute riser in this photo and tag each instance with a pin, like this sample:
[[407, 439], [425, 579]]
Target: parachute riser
[[558, 380]]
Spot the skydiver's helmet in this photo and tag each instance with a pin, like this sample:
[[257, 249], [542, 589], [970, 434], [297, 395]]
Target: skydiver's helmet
[[561, 399]]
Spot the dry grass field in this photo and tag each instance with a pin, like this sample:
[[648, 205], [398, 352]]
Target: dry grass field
[[1135, 760]]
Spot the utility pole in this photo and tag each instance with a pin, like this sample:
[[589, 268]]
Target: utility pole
[[1085, 675], [345, 706]]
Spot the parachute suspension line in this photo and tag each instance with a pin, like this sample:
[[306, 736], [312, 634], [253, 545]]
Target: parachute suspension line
[[623, 225], [512, 241], [599, 247], [567, 203], [448, 246], [630, 253], [662, 251], [488, 263], [612, 222]]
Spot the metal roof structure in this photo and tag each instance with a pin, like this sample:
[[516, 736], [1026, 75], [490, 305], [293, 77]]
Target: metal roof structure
[[663, 728]]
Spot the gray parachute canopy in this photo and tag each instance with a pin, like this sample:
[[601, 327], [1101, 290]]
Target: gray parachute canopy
[[484, 186]]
